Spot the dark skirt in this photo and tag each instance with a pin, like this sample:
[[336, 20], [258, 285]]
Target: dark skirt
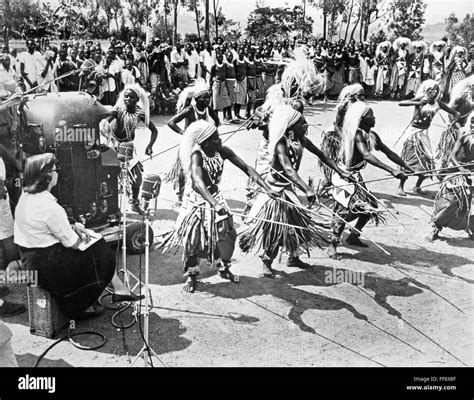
[[75, 278]]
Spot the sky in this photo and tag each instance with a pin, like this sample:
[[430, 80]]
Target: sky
[[436, 11]]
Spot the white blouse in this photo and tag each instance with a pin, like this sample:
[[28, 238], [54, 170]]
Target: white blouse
[[41, 222]]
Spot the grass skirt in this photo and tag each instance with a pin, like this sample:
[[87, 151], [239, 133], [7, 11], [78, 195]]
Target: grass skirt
[[356, 198], [199, 228], [262, 234], [175, 172], [416, 150], [331, 145], [446, 144], [452, 208]]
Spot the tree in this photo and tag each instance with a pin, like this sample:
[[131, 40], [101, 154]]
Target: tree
[[277, 22], [407, 18], [459, 33], [138, 14], [193, 6], [222, 25], [26, 20], [331, 10], [378, 37]]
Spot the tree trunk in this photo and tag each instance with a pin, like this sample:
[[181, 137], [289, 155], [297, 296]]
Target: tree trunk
[[175, 21], [355, 26], [325, 20], [206, 24], [215, 18], [349, 20], [196, 10]]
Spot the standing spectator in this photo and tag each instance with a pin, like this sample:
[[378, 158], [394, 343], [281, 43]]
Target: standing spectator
[[179, 64], [130, 74], [220, 94], [399, 74], [259, 84], [63, 66], [206, 61], [416, 62], [48, 66], [192, 58], [437, 59], [30, 65], [240, 84], [251, 83], [231, 86], [141, 60], [109, 72]]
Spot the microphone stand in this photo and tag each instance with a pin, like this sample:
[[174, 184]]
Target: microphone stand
[[146, 351], [124, 187]]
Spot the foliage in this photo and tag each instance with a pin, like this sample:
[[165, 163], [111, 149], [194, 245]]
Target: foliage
[[278, 22], [378, 37], [407, 18], [459, 33]]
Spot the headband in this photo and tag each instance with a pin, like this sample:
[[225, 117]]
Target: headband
[[206, 133]]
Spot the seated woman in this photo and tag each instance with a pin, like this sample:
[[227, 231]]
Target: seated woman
[[49, 244]]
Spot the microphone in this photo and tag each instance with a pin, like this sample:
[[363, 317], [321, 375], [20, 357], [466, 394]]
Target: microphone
[[125, 151], [150, 188]]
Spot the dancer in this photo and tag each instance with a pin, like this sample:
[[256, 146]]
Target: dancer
[[287, 141], [193, 104], [131, 108], [457, 68], [355, 201], [461, 101], [331, 143], [204, 224], [417, 148], [452, 208], [437, 59]]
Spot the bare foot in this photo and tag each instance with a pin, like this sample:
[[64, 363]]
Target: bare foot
[[401, 192]]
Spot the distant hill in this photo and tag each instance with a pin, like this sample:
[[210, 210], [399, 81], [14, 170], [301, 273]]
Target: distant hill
[[433, 32]]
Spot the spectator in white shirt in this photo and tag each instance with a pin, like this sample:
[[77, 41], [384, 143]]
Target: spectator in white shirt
[[30, 68], [193, 61], [178, 61], [129, 74], [207, 61], [49, 244]]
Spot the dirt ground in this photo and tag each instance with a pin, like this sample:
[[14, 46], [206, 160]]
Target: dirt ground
[[414, 307]]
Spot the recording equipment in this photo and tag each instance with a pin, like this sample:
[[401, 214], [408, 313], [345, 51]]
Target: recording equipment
[[125, 151], [151, 187]]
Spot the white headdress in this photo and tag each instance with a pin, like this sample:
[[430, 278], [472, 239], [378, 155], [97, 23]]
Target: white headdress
[[455, 51], [283, 117], [434, 46], [143, 101], [348, 95], [355, 112], [381, 45], [195, 134], [425, 85], [459, 90], [399, 41], [300, 76], [422, 44], [191, 92]]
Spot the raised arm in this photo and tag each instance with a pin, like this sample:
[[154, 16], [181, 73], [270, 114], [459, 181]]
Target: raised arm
[[449, 110]]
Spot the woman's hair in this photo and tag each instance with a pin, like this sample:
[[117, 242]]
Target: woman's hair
[[37, 173]]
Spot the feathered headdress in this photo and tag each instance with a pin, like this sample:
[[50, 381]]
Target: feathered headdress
[[347, 96], [143, 101], [460, 89], [422, 44], [397, 44], [283, 117], [355, 112], [434, 45], [191, 92], [381, 45], [455, 51], [195, 134], [300, 76], [425, 85]]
